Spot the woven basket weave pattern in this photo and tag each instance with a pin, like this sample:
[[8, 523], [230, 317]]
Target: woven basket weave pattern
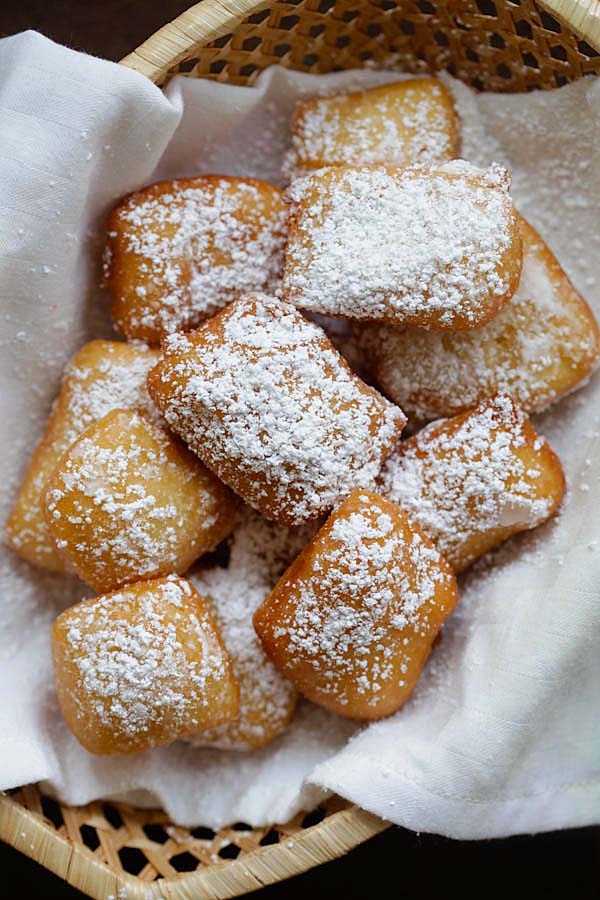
[[502, 45], [146, 844], [497, 46]]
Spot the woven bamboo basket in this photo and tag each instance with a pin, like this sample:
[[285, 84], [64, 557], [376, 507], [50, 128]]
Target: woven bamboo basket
[[114, 850]]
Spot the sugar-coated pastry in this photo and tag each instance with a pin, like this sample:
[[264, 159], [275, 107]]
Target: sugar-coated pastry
[[262, 396], [352, 621], [260, 551], [180, 250], [543, 345], [128, 502], [438, 248], [142, 666], [476, 479], [103, 375], [405, 123]]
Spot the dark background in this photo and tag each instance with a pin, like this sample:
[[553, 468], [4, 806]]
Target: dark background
[[398, 863]]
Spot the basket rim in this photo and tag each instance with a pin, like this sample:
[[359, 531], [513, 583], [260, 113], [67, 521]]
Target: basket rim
[[339, 833], [210, 19]]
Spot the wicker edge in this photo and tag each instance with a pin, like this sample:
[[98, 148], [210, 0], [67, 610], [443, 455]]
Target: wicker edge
[[206, 21], [581, 16], [202, 23], [76, 865]]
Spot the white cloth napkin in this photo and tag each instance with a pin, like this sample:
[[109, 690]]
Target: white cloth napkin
[[503, 734]]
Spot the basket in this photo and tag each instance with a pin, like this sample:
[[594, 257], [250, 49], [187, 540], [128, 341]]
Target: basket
[[114, 850]]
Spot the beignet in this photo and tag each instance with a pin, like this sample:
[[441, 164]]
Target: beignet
[[403, 124], [128, 502], [474, 480], [437, 248], [260, 551], [140, 667], [178, 251], [352, 621], [264, 399], [543, 345], [103, 375]]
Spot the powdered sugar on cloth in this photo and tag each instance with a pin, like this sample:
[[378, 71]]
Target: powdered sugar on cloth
[[501, 736]]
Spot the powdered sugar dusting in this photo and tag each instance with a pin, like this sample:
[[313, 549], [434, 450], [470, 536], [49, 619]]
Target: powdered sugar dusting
[[126, 504], [350, 608], [542, 345], [198, 244], [402, 124], [145, 659], [262, 396], [464, 482], [104, 375], [110, 383], [437, 248], [260, 553]]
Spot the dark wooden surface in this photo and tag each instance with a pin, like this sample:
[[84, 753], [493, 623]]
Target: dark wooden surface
[[107, 28], [398, 863]]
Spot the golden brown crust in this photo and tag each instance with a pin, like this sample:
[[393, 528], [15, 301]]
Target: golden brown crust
[[263, 397], [139, 667], [543, 345], [102, 375], [128, 502], [474, 480], [178, 251], [411, 122], [376, 243], [352, 621]]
